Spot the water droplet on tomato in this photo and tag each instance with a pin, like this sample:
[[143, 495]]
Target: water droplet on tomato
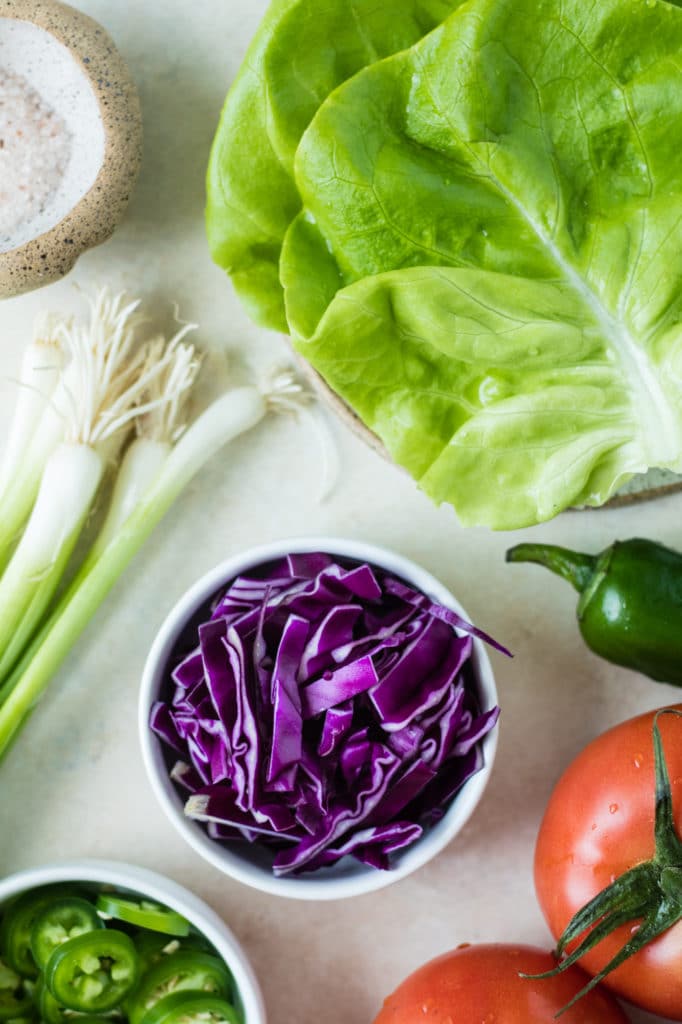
[[613, 808]]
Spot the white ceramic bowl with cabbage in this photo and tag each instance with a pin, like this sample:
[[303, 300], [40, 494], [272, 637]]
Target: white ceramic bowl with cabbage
[[251, 863]]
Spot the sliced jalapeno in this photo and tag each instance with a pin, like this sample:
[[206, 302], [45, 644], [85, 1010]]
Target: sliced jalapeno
[[17, 925], [93, 973], [184, 971], [143, 914], [90, 1018], [16, 999], [60, 921], [192, 1008], [50, 1011], [152, 947]]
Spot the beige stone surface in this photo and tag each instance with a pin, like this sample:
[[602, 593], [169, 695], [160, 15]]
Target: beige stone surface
[[74, 784]]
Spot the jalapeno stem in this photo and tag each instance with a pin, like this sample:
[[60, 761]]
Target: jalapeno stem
[[573, 566]]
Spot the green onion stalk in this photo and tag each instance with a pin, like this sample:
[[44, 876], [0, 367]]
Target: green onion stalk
[[105, 384], [40, 371], [156, 467], [70, 376]]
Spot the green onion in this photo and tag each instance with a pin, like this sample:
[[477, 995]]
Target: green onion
[[70, 481], [157, 429], [104, 387], [99, 367], [40, 369], [110, 383]]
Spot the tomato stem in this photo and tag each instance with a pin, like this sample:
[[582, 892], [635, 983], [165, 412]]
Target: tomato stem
[[650, 892], [668, 845]]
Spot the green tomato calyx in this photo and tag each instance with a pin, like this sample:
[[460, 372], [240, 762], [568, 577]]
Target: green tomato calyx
[[649, 893]]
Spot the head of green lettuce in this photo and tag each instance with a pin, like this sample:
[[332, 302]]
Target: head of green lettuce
[[479, 243]]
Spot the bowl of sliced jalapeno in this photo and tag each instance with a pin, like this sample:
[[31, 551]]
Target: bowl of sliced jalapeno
[[90, 940]]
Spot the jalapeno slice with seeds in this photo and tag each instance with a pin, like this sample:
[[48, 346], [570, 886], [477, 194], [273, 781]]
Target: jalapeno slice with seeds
[[93, 973], [192, 1008], [62, 920], [143, 914], [90, 1018], [17, 925], [152, 947], [15, 996], [52, 1012], [184, 971], [49, 1010]]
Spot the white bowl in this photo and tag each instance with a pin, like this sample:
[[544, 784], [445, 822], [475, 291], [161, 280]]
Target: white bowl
[[250, 864], [147, 884]]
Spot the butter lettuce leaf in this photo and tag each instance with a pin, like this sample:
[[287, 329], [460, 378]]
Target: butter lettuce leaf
[[488, 266], [302, 51], [499, 394]]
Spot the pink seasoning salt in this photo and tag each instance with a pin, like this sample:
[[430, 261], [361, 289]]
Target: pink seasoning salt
[[35, 148]]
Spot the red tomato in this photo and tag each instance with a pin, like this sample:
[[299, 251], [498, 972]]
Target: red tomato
[[599, 823], [481, 985]]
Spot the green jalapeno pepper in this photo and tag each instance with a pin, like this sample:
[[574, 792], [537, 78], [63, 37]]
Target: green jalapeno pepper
[[630, 607], [192, 1008], [17, 925], [186, 970], [153, 946], [60, 921], [94, 972], [143, 914], [88, 1018], [50, 1011], [16, 998]]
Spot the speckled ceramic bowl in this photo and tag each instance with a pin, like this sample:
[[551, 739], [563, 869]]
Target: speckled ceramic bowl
[[72, 64]]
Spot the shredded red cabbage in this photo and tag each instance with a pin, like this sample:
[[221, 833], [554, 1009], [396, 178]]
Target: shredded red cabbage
[[328, 710]]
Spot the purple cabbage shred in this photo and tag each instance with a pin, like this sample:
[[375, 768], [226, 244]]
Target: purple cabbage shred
[[324, 709]]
